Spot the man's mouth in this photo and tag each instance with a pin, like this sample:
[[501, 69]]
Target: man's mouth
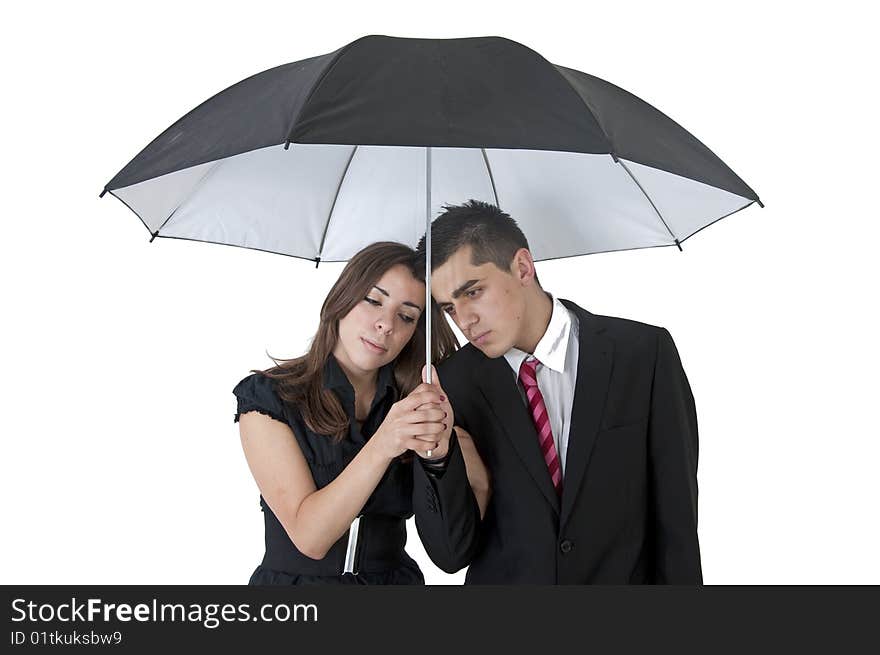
[[480, 338]]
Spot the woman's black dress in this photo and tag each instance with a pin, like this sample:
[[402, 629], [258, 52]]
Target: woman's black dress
[[381, 558]]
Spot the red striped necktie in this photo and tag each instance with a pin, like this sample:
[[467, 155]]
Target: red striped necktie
[[529, 380]]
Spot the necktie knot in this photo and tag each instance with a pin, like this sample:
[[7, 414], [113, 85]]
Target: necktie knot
[[527, 372]]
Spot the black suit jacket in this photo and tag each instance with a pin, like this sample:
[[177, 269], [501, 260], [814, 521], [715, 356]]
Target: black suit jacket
[[628, 512]]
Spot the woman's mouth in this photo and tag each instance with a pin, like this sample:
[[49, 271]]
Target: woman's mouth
[[374, 347]]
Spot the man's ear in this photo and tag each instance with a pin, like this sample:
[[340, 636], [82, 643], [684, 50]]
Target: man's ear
[[523, 266]]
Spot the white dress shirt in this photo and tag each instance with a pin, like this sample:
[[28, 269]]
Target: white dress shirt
[[557, 351]]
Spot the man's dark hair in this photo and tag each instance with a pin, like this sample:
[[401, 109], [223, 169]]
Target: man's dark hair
[[491, 233]]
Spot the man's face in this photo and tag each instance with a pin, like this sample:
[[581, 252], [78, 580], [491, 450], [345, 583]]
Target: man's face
[[486, 303]]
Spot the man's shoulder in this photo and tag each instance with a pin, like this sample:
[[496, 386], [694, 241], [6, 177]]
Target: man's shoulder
[[629, 328], [462, 361], [624, 331]]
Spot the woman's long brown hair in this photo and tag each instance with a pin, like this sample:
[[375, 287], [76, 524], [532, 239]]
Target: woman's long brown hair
[[299, 381]]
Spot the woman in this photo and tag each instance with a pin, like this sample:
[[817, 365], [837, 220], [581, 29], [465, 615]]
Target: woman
[[327, 439]]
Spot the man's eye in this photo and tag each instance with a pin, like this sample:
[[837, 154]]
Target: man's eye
[[449, 310], [473, 292]]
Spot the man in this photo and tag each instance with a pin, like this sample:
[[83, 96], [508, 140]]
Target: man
[[586, 424]]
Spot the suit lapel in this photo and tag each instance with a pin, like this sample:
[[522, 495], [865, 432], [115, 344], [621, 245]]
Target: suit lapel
[[595, 360], [498, 386]]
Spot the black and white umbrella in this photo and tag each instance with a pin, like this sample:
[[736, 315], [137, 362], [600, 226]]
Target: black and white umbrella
[[318, 158]]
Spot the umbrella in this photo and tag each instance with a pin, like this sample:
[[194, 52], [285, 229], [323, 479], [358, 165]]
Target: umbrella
[[318, 158]]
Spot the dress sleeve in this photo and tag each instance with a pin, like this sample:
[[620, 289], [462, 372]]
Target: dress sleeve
[[256, 394]]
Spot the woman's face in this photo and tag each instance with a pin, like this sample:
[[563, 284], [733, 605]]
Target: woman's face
[[375, 331]]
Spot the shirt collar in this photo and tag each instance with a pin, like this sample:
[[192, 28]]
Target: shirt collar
[[335, 378], [553, 345]]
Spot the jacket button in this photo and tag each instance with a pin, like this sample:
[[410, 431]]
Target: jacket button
[[566, 546]]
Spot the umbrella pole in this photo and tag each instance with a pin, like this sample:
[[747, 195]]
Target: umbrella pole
[[428, 264]]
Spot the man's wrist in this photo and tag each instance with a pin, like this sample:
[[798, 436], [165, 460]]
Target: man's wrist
[[436, 463], [439, 465]]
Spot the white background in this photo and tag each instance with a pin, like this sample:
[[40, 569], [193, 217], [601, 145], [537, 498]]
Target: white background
[[120, 461]]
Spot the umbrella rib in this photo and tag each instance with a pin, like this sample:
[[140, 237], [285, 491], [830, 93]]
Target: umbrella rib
[[189, 195], [645, 193], [491, 177], [586, 105], [330, 65], [333, 205]]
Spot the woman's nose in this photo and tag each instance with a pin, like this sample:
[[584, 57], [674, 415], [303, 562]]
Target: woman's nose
[[384, 324]]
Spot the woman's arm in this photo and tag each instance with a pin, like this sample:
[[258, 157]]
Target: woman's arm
[[477, 474], [314, 519]]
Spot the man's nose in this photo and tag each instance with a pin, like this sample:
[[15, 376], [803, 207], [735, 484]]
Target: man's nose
[[468, 319]]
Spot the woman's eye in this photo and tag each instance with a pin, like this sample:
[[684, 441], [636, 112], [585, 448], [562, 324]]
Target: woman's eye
[[472, 293], [407, 319], [373, 302]]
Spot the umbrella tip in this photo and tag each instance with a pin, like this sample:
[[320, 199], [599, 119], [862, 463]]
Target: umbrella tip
[[317, 261], [103, 192], [154, 235], [760, 204], [677, 243]]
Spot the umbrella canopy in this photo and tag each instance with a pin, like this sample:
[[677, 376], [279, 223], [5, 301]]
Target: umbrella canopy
[[320, 157]]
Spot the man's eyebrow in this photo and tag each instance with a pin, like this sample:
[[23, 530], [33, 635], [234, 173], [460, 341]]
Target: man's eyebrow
[[405, 302], [460, 290], [464, 287]]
